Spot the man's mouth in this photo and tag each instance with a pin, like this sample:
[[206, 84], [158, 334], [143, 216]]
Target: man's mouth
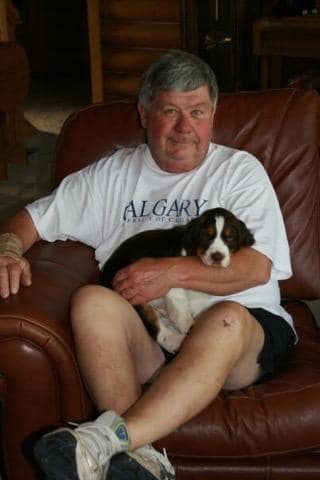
[[183, 141]]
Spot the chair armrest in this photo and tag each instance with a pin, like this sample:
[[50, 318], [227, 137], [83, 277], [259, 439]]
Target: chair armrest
[[37, 355]]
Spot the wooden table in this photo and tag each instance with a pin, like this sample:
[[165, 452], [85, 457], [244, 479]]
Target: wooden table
[[275, 38]]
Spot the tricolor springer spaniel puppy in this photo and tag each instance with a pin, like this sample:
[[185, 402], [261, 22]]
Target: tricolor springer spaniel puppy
[[213, 237]]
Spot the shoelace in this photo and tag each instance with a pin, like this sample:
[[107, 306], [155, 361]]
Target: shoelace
[[148, 452], [97, 440]]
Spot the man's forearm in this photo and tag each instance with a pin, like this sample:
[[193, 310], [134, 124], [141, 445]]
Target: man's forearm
[[248, 269], [151, 278]]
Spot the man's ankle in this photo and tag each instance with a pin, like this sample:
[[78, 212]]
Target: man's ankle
[[119, 427]]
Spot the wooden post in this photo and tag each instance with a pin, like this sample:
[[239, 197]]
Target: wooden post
[[4, 28], [93, 9]]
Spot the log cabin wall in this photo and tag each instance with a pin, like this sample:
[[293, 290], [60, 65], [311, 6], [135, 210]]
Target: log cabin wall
[[126, 36]]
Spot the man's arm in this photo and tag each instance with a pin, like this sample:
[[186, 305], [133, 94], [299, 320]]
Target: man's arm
[[13, 271], [152, 278]]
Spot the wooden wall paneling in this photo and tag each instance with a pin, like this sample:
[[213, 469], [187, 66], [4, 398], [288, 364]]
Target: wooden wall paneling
[[141, 10], [129, 35], [150, 35]]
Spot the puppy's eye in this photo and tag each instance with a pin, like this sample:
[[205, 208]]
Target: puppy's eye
[[210, 232], [230, 238], [229, 235]]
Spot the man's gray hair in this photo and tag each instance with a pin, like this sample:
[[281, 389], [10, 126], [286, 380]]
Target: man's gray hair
[[178, 71]]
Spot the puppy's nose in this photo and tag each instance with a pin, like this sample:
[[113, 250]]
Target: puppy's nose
[[217, 257]]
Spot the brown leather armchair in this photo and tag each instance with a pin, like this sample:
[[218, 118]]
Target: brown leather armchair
[[267, 431]]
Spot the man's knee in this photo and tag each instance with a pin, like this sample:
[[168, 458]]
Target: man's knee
[[92, 303], [86, 294], [245, 327], [233, 323], [94, 307], [230, 317], [84, 298]]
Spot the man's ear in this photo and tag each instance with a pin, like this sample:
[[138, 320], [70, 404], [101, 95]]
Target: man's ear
[[143, 115], [213, 115], [212, 124]]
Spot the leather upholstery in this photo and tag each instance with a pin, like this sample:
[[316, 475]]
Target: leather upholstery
[[267, 431]]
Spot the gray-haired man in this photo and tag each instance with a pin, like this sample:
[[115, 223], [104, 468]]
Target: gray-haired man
[[173, 178]]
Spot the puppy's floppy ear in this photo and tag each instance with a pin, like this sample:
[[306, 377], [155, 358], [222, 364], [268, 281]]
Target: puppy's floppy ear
[[191, 236], [246, 239]]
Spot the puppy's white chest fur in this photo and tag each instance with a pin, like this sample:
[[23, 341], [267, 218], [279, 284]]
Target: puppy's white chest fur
[[181, 305], [177, 315]]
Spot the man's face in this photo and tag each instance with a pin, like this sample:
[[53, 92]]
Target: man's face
[[179, 128]]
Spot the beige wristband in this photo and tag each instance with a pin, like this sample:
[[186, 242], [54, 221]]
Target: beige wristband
[[11, 246]]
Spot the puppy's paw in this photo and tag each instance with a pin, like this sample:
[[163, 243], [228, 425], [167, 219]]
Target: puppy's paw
[[178, 308], [169, 338]]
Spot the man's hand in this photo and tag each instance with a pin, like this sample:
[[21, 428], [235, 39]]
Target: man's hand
[[12, 274], [17, 235], [145, 280]]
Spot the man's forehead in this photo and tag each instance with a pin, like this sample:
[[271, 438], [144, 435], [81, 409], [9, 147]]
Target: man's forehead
[[199, 96]]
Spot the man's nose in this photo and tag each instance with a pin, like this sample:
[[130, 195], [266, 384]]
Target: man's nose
[[183, 123]]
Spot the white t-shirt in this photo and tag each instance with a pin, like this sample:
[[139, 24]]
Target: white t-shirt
[[121, 195]]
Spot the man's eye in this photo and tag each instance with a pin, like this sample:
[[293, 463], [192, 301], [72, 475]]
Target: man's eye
[[170, 112], [197, 113]]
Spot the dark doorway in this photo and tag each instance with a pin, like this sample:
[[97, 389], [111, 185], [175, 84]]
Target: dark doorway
[[55, 36]]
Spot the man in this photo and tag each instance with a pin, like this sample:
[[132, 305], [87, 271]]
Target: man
[[234, 343]]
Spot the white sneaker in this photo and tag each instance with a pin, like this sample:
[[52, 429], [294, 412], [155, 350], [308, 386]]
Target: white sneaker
[[146, 463], [83, 453]]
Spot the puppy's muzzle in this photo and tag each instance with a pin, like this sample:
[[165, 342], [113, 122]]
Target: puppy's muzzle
[[217, 258]]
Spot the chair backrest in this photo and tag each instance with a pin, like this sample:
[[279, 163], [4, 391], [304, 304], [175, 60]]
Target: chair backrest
[[280, 127]]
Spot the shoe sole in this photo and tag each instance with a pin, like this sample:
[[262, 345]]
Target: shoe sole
[[123, 467], [56, 455]]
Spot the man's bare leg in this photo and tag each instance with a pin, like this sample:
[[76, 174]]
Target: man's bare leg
[[221, 352], [115, 353], [116, 356]]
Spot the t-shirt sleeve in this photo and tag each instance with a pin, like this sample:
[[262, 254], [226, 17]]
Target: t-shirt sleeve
[[251, 196], [70, 212]]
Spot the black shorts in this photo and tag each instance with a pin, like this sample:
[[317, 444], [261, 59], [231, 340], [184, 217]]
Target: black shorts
[[278, 340]]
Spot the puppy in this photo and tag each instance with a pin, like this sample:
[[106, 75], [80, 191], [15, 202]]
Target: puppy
[[213, 236]]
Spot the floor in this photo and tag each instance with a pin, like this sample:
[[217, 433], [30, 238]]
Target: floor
[[46, 108]]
